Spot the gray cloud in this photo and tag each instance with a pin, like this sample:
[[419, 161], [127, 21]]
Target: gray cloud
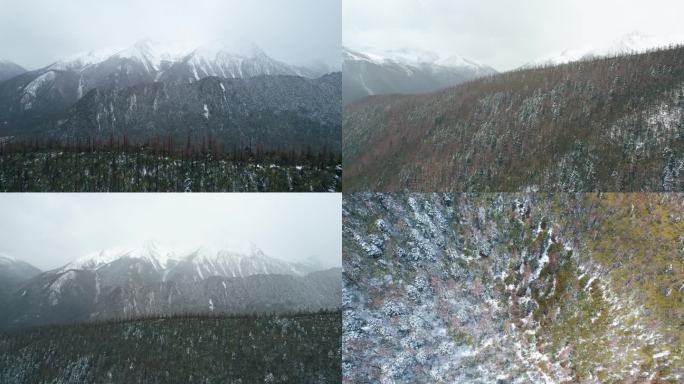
[[50, 230], [35, 33], [501, 33]]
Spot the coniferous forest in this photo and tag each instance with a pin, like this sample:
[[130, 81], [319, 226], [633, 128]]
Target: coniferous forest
[[292, 348], [159, 166]]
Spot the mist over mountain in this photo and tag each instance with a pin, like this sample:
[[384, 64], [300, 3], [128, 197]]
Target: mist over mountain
[[13, 272], [403, 71], [9, 70], [631, 43], [130, 282]]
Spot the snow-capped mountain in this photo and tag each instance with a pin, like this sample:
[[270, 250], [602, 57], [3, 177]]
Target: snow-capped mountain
[[196, 264], [9, 70], [403, 71], [178, 91], [634, 42], [153, 279], [49, 90], [237, 59]]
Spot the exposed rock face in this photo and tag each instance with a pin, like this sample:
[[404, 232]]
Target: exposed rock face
[[512, 288]]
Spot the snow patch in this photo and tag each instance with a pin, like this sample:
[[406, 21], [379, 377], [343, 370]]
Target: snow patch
[[32, 88]]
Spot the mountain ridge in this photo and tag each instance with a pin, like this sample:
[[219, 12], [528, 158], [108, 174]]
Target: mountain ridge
[[367, 74], [154, 280], [34, 101], [9, 69]]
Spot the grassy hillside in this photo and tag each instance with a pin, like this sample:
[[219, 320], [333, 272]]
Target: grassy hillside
[[302, 348], [610, 124]]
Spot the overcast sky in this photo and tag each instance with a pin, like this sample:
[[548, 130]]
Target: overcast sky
[[35, 33], [505, 34], [50, 230]]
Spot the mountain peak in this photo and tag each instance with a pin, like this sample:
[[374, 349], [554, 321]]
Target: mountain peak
[[4, 258], [205, 259], [149, 250], [152, 53], [411, 57]]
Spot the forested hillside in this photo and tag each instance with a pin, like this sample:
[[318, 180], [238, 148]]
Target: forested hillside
[[157, 167], [610, 124], [300, 348], [513, 288]]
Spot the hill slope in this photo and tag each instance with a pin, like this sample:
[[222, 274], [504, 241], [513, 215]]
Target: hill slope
[[9, 70], [513, 288], [272, 349], [612, 124], [12, 273]]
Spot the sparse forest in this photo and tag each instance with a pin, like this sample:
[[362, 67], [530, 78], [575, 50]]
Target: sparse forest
[[296, 348], [159, 165], [607, 124], [508, 288]]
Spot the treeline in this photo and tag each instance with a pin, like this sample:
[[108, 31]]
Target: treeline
[[303, 348], [183, 316], [166, 146]]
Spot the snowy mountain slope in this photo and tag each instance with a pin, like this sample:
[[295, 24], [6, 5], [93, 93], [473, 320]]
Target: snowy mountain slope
[[403, 71], [49, 90], [272, 111], [235, 59], [9, 70], [160, 257], [198, 264], [151, 279]]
